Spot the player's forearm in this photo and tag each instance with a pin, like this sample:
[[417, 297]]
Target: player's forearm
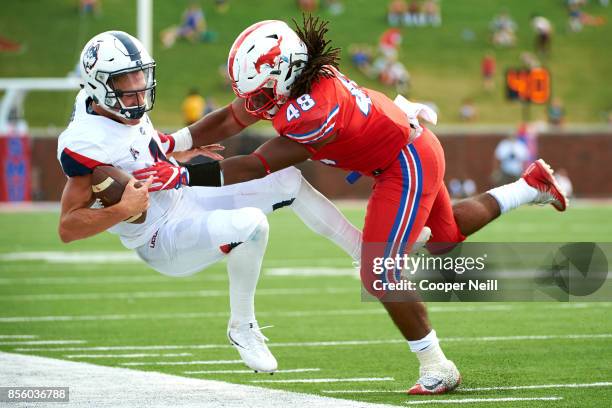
[[214, 127], [87, 222], [239, 169]]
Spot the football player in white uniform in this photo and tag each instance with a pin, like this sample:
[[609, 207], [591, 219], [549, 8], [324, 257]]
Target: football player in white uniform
[[186, 229]]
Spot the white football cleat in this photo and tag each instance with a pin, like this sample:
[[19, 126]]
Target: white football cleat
[[251, 344], [438, 379], [539, 175]]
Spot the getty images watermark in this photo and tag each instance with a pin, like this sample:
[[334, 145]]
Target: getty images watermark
[[388, 267], [488, 272]]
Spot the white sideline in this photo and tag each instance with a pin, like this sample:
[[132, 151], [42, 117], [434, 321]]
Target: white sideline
[[169, 294], [291, 370], [327, 343], [18, 336], [504, 388], [40, 342], [325, 380], [475, 400], [126, 256], [201, 315], [297, 313], [140, 355], [312, 272], [100, 386], [537, 387], [172, 363]]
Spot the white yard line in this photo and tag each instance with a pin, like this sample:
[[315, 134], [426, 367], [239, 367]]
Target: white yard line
[[292, 370], [18, 336], [139, 355], [169, 294], [105, 280], [312, 272], [297, 313], [329, 343], [537, 387], [202, 315], [505, 388], [40, 342], [326, 380], [130, 388], [105, 257], [85, 257], [172, 363], [476, 400]]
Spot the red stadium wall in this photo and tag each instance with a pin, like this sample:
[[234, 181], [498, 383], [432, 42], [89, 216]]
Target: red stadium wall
[[587, 159]]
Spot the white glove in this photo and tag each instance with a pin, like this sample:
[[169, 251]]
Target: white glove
[[413, 111]]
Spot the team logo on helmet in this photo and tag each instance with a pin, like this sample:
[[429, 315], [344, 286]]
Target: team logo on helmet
[[270, 57], [91, 57]]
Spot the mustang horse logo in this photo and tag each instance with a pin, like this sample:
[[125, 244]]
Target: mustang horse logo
[[269, 58], [91, 57]]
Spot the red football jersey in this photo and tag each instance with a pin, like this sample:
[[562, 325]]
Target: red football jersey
[[370, 129]]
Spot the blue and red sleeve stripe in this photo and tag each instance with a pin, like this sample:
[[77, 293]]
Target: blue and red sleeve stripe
[[75, 164]]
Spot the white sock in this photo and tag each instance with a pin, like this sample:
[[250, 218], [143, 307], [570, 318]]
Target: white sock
[[324, 218], [428, 350], [243, 266], [513, 195]]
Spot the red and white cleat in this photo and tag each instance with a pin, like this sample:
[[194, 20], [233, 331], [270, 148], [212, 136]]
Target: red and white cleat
[[539, 175], [437, 380]]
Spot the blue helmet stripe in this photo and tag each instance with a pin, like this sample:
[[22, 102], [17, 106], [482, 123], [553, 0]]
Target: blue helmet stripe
[[129, 45]]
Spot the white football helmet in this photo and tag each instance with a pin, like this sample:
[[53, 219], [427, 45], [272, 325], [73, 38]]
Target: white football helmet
[[105, 61], [263, 63]]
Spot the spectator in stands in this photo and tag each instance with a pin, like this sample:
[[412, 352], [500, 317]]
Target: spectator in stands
[[504, 30], [543, 29], [467, 111], [530, 60], [222, 6], [564, 182], [510, 157], [431, 12], [308, 6], [90, 7], [194, 23], [415, 15], [193, 106], [487, 68], [334, 7], [389, 43], [193, 28], [361, 57], [461, 188], [556, 112], [397, 12], [575, 17]]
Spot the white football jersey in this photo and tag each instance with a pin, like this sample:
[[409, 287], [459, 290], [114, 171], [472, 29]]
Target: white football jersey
[[92, 140]]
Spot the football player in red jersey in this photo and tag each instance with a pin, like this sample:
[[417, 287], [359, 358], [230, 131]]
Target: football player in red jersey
[[291, 78]]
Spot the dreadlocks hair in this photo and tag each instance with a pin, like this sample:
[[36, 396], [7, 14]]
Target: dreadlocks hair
[[320, 54]]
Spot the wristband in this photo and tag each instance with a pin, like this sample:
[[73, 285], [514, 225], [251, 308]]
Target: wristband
[[182, 140], [205, 174]]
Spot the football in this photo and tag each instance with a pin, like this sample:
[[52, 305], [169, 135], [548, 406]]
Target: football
[[108, 183]]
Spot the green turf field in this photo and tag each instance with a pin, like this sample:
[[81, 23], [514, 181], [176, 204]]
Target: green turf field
[[127, 309], [445, 69]]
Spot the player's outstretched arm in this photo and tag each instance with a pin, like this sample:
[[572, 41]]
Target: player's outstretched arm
[[221, 124], [78, 221], [274, 155]]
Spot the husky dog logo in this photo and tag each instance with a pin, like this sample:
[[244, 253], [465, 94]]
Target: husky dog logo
[[91, 57]]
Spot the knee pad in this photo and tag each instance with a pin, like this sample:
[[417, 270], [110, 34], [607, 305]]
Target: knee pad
[[233, 226], [289, 180]]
